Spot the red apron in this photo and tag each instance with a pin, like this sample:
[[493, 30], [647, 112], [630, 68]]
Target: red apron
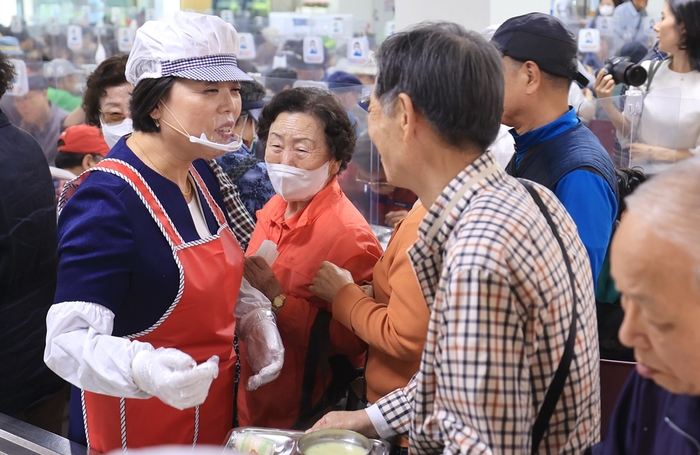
[[199, 322]]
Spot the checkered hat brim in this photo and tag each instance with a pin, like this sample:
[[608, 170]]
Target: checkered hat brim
[[212, 68]]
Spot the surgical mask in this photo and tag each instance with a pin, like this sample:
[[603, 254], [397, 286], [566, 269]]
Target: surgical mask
[[232, 146], [606, 10], [112, 133], [294, 184]]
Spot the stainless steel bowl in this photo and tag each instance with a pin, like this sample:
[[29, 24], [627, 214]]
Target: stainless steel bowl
[[323, 436]]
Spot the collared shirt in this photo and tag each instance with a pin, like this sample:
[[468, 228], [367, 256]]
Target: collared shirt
[[551, 130], [630, 24], [240, 220], [48, 136], [330, 229], [500, 297]]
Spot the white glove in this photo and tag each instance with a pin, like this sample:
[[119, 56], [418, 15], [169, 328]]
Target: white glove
[[174, 376], [264, 349]]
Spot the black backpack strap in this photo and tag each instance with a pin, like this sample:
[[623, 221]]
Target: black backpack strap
[[557, 386], [316, 356], [653, 68]]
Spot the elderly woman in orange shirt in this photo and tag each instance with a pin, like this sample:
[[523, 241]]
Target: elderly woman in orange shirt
[[308, 140], [390, 315]]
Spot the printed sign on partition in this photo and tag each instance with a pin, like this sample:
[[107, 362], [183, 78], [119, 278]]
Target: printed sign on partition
[[20, 84], [588, 40], [85, 14], [337, 28], [53, 28], [116, 16], [247, 44], [125, 39], [358, 51], [227, 16], [313, 49], [16, 24], [75, 37], [389, 28], [604, 24]]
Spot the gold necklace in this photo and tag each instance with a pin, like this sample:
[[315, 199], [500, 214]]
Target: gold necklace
[[189, 184]]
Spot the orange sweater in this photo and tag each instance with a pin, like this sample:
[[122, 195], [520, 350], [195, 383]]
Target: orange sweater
[[395, 323], [328, 229]]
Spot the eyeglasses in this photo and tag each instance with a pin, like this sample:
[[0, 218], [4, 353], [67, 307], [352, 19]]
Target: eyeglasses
[[113, 117], [364, 103]]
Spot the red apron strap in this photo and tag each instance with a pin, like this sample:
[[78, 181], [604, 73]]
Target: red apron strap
[[133, 177], [216, 210]]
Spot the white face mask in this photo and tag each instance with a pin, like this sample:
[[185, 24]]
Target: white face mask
[[232, 146], [606, 10], [294, 184], [112, 133]]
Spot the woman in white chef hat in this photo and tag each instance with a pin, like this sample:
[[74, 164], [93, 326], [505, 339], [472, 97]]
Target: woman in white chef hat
[[147, 301]]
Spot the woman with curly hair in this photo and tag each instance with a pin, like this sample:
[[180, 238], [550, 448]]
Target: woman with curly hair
[[308, 139], [106, 99]]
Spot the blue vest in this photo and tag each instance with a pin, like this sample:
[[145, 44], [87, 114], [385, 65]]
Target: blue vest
[[578, 148]]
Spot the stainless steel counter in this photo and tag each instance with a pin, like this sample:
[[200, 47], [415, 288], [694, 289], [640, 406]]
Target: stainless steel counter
[[20, 438]]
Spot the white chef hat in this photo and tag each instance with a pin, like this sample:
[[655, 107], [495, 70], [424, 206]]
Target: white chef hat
[[188, 45]]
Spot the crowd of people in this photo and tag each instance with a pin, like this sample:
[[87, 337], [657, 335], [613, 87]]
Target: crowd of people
[[184, 249]]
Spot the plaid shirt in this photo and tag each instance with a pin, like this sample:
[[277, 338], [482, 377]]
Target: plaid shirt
[[500, 298], [240, 220]]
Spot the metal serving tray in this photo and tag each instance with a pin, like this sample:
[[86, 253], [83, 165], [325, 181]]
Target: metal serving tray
[[286, 441]]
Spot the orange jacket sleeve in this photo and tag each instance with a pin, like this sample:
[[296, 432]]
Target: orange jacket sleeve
[[396, 320]]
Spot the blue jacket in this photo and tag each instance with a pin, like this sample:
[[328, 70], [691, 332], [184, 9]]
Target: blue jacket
[[569, 160], [650, 420]]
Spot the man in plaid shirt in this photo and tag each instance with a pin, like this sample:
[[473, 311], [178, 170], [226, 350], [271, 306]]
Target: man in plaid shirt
[[489, 265]]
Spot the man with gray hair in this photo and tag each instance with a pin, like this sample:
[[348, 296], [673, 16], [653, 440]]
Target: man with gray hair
[[510, 363], [655, 260]]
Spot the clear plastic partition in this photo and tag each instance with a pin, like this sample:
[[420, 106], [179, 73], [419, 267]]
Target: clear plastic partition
[[364, 180], [605, 32], [312, 39], [644, 131]]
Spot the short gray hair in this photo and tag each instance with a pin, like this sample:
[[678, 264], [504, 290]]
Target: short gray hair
[[670, 205], [453, 76]]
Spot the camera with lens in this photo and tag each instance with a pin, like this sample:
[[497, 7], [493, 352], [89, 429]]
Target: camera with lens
[[625, 72]]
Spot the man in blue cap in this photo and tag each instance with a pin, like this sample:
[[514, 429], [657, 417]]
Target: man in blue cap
[[553, 147]]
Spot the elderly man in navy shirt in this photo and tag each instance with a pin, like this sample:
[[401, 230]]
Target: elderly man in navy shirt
[[655, 260], [553, 147]]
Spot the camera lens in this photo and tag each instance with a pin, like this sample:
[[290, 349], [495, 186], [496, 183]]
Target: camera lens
[[635, 75]]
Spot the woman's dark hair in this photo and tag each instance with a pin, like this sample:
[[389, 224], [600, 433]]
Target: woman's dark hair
[[109, 73], [7, 73], [687, 14], [145, 98], [323, 106]]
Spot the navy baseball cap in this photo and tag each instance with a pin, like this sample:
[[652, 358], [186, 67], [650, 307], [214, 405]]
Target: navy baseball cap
[[341, 79], [543, 39]]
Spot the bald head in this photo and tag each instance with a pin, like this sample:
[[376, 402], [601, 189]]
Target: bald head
[[670, 204], [655, 263]]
